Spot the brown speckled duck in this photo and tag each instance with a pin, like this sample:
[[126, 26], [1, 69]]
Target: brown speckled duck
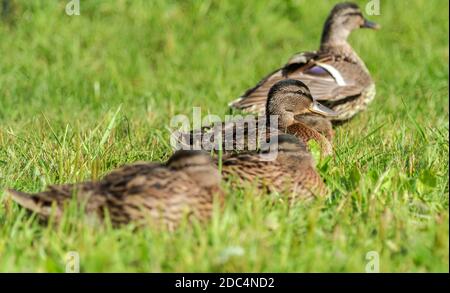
[[292, 172], [161, 193], [288, 100], [335, 74]]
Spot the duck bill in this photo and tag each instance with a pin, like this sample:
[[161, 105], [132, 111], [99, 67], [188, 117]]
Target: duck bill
[[371, 25], [322, 110]]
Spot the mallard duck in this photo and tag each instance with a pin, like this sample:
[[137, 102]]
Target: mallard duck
[[291, 170], [287, 100], [162, 193], [335, 74]]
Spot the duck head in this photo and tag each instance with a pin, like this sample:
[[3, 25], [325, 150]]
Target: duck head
[[198, 165], [342, 20], [290, 97]]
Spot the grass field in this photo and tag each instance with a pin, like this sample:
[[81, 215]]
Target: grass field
[[81, 95]]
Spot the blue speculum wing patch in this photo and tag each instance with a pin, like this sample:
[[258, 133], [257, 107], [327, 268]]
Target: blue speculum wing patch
[[318, 71]]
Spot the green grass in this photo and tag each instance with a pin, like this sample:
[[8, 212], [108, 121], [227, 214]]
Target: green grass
[[82, 95]]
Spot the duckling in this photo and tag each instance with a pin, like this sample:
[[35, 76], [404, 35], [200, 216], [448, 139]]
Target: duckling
[[162, 193], [335, 74], [287, 100], [291, 171]]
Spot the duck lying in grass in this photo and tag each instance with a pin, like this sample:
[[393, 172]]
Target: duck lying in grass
[[292, 172], [165, 194], [335, 74], [289, 100], [183, 187]]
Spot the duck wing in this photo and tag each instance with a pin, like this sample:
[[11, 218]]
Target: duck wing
[[254, 99], [329, 79], [123, 174], [164, 197]]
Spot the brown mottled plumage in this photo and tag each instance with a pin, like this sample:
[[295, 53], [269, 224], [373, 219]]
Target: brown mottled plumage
[[291, 172], [319, 123], [335, 74], [161, 193], [288, 100]]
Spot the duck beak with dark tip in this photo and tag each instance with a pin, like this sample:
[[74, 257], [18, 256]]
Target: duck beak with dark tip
[[371, 25], [318, 108]]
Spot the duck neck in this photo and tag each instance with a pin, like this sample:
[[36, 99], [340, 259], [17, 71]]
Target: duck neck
[[334, 41], [342, 49], [334, 33], [284, 119], [335, 46]]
